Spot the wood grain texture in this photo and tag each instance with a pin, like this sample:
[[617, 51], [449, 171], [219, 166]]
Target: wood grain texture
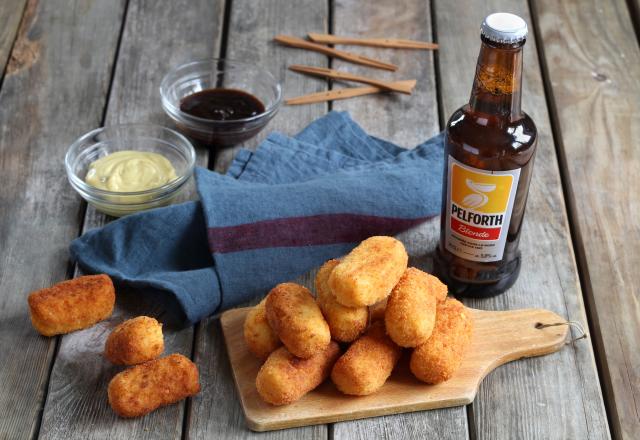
[[592, 63], [251, 30], [407, 121], [216, 411], [154, 39], [498, 338], [52, 81], [11, 12], [556, 397]]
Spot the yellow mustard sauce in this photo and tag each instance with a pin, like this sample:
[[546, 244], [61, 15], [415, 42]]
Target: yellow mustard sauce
[[127, 171]]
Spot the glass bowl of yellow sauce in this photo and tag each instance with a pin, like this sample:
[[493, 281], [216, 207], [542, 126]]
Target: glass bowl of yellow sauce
[[129, 168]]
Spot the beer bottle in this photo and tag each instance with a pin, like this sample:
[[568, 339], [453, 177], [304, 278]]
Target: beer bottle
[[490, 145]]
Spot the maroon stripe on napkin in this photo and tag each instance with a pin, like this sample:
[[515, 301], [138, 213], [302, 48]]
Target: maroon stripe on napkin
[[305, 231]]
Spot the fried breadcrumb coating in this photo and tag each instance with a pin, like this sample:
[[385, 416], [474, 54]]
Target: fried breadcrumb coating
[[135, 341], [438, 359], [72, 305], [411, 309], [369, 272], [285, 378], [258, 334], [367, 364], [141, 389], [294, 315], [345, 323]]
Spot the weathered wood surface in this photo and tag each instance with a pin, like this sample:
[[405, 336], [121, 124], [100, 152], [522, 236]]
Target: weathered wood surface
[[11, 13], [592, 61], [56, 85], [252, 27], [216, 411], [55, 88], [407, 121], [557, 396], [154, 40]]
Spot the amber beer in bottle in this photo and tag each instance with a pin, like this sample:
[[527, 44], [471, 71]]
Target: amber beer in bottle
[[490, 145]]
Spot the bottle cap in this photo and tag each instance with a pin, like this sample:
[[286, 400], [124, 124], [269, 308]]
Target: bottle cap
[[503, 27]]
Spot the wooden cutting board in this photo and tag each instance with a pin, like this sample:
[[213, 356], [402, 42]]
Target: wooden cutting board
[[499, 337]]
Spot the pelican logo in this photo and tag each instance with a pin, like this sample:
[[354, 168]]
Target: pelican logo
[[479, 209], [479, 197]]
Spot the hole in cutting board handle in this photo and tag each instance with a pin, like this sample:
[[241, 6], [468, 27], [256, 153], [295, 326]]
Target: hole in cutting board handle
[[575, 324]]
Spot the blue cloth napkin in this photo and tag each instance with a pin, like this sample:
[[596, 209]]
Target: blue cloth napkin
[[278, 212]]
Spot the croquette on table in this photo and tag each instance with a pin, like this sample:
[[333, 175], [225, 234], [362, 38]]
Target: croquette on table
[[135, 341], [139, 390], [72, 305]]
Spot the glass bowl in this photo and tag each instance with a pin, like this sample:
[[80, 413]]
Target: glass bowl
[[138, 137], [197, 76]]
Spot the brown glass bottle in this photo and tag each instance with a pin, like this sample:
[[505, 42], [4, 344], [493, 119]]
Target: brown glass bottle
[[490, 146]]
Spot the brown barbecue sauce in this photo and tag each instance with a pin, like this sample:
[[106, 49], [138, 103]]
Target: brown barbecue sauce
[[221, 104]]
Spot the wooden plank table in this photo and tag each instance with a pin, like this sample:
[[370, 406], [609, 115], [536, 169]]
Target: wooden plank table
[[68, 66]]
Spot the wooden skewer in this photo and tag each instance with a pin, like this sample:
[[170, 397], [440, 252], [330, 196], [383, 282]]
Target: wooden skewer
[[336, 74], [332, 95], [396, 43], [347, 56]]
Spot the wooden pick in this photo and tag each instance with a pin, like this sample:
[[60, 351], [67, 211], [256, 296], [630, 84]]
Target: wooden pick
[[347, 56], [336, 74], [395, 43], [350, 92]]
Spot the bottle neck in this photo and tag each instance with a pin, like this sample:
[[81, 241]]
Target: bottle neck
[[497, 87]]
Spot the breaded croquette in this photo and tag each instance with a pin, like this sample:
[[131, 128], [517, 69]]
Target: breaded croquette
[[367, 364], [135, 341], [285, 378], [369, 272], [437, 360], [141, 389], [72, 305], [436, 287], [258, 335], [345, 323], [294, 315], [411, 309], [376, 311]]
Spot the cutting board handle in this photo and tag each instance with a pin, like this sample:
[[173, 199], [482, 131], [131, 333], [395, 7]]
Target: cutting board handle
[[523, 333]]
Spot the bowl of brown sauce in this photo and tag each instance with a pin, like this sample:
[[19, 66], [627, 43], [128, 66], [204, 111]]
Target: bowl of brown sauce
[[219, 102]]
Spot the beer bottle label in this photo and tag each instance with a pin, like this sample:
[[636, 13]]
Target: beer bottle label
[[479, 205]]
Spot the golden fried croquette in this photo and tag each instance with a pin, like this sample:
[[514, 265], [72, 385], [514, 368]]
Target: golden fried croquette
[[284, 378], [135, 341], [376, 311], [72, 305], [369, 272], [345, 323], [297, 320], [411, 309], [437, 288], [139, 390], [437, 360], [258, 335], [367, 364]]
